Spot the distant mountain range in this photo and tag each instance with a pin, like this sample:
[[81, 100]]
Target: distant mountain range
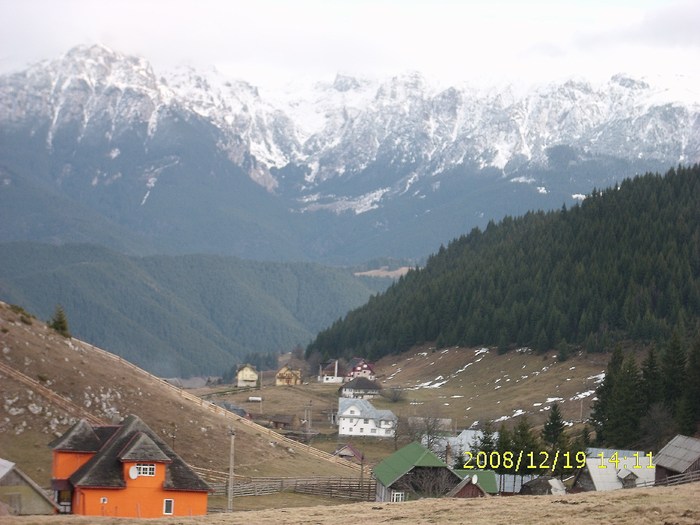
[[96, 147]]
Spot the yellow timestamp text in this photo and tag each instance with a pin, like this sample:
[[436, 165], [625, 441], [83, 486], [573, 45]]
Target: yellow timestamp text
[[614, 460], [521, 460]]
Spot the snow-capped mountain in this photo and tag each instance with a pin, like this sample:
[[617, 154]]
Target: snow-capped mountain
[[405, 158]]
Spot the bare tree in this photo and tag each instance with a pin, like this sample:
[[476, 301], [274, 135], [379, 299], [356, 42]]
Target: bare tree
[[393, 394], [427, 482], [429, 431]]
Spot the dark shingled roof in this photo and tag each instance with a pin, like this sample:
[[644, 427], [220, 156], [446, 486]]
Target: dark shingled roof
[[133, 440], [361, 383], [142, 448], [82, 437]]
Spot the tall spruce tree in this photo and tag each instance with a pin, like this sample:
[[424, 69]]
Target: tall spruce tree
[[673, 373], [601, 407], [626, 407], [553, 431], [688, 410], [652, 382]]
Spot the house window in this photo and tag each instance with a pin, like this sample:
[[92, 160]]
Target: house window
[[103, 500], [168, 505], [362, 429], [373, 431], [397, 496], [146, 469], [366, 421]]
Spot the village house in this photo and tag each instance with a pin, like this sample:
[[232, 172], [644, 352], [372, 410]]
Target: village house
[[413, 472], [474, 484], [360, 388], [123, 470], [20, 495], [350, 453], [612, 469], [681, 455], [330, 372], [281, 421], [359, 367], [287, 376], [542, 486], [246, 376], [357, 417]]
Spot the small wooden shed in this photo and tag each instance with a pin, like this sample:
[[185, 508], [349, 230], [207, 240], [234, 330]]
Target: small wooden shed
[[20, 495]]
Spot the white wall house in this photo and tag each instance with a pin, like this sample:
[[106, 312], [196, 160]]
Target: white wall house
[[357, 417]]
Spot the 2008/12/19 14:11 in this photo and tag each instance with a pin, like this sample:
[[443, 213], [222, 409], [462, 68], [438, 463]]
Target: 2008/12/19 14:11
[[615, 460]]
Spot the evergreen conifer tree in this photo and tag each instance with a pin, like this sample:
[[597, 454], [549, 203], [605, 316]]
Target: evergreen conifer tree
[[59, 321], [673, 373], [652, 384], [553, 431]]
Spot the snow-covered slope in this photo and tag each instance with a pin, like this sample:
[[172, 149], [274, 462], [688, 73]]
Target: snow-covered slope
[[352, 145]]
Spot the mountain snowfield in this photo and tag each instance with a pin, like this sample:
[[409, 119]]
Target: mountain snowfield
[[351, 146]]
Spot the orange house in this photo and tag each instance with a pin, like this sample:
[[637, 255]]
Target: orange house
[[124, 471]]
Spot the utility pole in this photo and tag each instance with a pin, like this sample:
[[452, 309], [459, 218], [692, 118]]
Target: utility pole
[[307, 416], [229, 506]]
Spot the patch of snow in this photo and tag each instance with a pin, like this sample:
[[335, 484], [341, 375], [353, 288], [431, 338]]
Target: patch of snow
[[582, 395], [597, 378]]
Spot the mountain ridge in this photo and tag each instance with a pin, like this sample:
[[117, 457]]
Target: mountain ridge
[[381, 165]]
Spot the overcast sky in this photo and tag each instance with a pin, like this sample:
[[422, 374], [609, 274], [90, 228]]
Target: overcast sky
[[265, 41]]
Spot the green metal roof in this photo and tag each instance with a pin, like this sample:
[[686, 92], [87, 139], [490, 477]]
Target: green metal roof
[[486, 479], [403, 460]]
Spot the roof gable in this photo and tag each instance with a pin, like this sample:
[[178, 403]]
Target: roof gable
[[679, 453], [403, 461], [143, 448], [486, 479], [8, 467]]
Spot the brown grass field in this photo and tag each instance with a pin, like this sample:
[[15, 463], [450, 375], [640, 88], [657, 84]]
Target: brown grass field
[[471, 386], [662, 505]]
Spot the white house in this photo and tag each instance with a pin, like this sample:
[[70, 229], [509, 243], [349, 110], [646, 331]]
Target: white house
[[357, 417], [246, 376]]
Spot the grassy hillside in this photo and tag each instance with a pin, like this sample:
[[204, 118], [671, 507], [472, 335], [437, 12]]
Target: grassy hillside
[[108, 388], [623, 265], [179, 315]]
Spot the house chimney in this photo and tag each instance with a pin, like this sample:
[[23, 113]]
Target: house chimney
[[336, 368]]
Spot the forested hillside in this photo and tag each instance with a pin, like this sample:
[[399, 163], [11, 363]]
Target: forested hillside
[[622, 265], [179, 315]]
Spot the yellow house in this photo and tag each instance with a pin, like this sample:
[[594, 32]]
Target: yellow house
[[287, 376], [246, 376]]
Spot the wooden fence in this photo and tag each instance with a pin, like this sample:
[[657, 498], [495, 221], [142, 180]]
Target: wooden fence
[[676, 479], [345, 488]]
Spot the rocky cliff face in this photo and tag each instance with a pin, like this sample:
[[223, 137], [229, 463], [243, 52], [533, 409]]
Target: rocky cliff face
[[104, 130]]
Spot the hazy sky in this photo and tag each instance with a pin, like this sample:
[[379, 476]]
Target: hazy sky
[[449, 41]]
